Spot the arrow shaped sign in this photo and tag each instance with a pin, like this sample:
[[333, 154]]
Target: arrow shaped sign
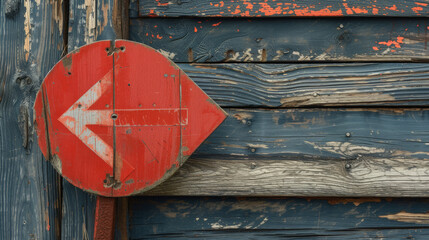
[[118, 118], [78, 117]]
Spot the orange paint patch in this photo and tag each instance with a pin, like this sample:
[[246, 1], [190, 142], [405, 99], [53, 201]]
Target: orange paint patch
[[359, 10], [417, 9], [195, 29], [348, 10], [396, 43], [268, 10], [375, 11], [237, 10], [393, 8], [221, 3], [216, 24], [375, 48], [321, 12], [159, 37], [421, 4]]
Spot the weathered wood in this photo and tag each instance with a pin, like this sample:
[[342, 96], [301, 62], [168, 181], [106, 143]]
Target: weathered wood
[[78, 213], [120, 18], [286, 39], [274, 218], [361, 177], [301, 85], [310, 134], [89, 21], [30, 44], [282, 8]]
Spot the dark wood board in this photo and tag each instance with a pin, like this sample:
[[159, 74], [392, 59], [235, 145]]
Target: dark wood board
[[285, 39], [31, 42], [275, 218], [316, 84], [320, 134], [281, 8]]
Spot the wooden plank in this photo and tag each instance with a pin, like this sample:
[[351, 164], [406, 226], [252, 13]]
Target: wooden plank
[[268, 218], [89, 21], [78, 213], [286, 39], [302, 85], [310, 152], [319, 134], [361, 177], [31, 43], [282, 8]]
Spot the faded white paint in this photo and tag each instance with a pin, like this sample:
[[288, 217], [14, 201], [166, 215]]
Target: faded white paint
[[78, 116]]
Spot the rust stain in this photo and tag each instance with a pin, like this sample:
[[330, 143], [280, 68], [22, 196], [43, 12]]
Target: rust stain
[[67, 62], [46, 219], [403, 216], [355, 201]]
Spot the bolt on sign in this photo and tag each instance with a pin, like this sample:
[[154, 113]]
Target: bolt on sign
[[116, 118]]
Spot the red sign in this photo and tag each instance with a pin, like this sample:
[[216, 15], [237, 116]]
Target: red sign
[[118, 118]]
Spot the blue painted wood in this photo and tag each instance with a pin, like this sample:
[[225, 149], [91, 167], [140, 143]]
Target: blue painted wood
[[285, 40], [31, 43], [268, 218], [319, 133], [313, 84], [282, 8]]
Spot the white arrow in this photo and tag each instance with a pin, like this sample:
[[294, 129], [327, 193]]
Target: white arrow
[[78, 117]]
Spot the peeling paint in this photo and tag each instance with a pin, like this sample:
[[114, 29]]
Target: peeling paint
[[419, 218], [27, 27]]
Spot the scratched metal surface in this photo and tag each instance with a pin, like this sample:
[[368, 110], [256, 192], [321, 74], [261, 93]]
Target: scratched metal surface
[[31, 42], [282, 8], [285, 40], [277, 218]]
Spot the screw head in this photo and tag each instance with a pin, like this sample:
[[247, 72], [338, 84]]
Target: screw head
[[348, 166], [348, 134]]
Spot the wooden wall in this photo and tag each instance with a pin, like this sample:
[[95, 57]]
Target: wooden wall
[[324, 100]]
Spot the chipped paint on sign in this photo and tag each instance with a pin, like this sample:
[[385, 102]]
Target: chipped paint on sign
[[123, 121]]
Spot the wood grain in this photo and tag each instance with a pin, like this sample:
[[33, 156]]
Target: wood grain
[[302, 85], [318, 133], [282, 8], [274, 218], [285, 40], [360, 177], [31, 43]]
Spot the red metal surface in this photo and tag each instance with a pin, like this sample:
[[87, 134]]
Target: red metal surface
[[118, 118], [104, 223]]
